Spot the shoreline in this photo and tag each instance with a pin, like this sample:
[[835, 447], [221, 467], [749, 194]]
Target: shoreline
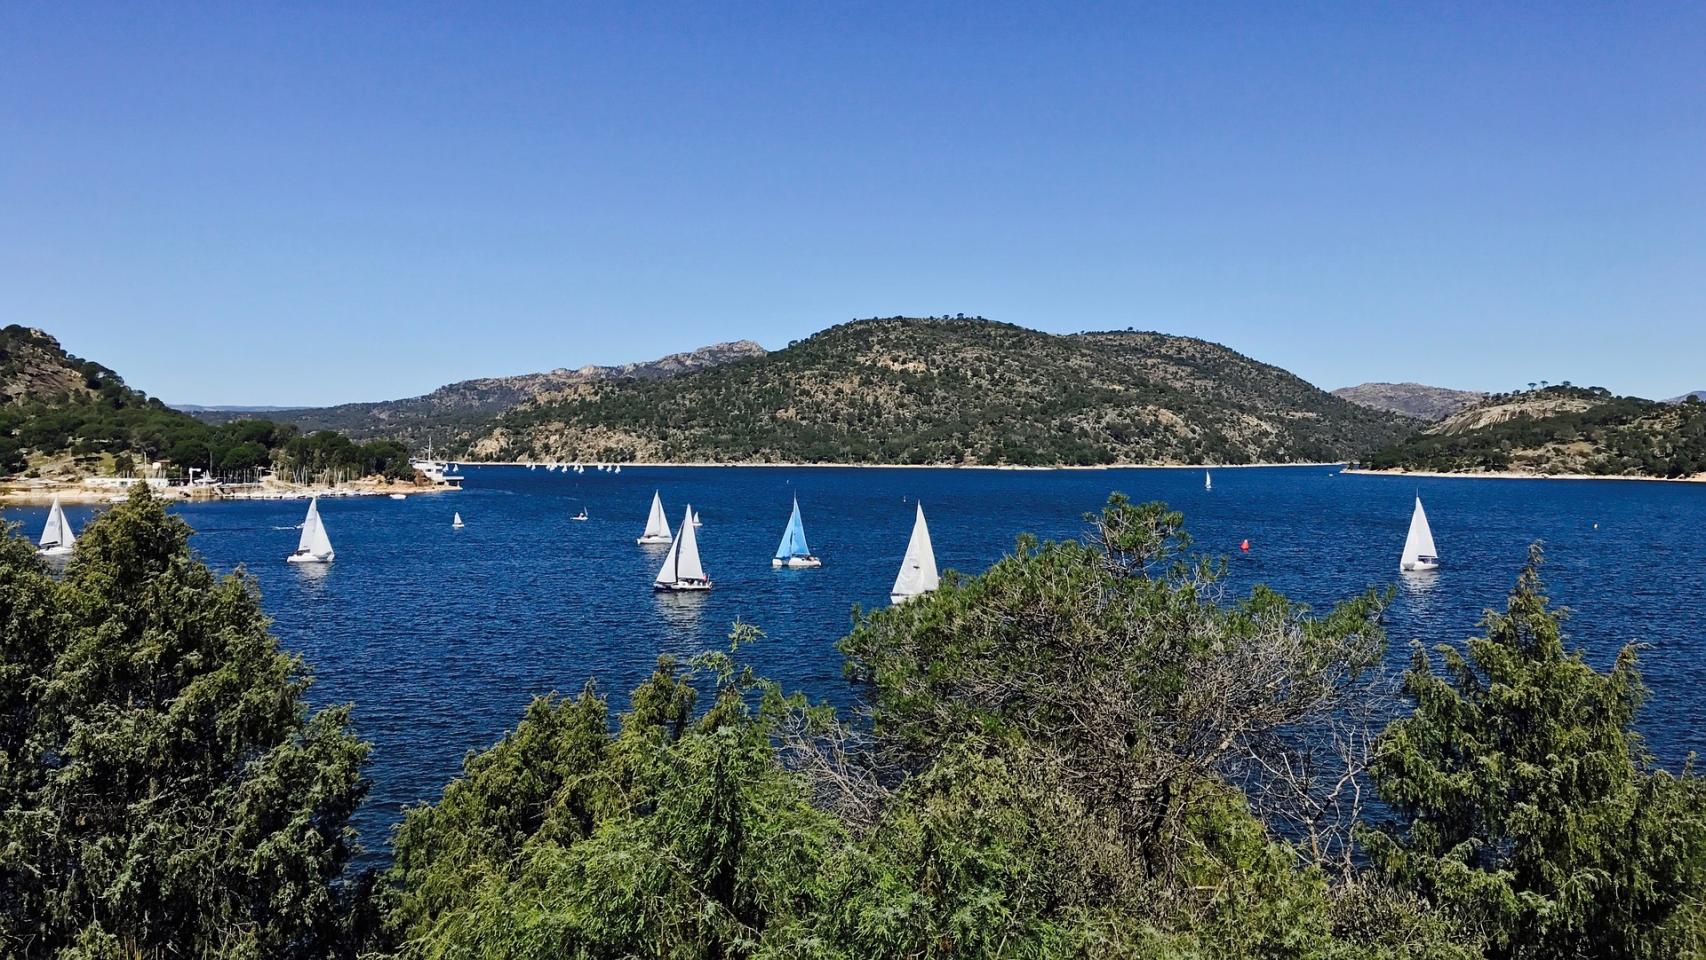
[[84, 493], [1516, 475]]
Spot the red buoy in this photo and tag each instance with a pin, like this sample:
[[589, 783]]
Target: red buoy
[[1245, 546]]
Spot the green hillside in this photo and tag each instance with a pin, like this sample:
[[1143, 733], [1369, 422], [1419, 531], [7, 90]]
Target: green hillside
[[1561, 429], [954, 391], [64, 414]]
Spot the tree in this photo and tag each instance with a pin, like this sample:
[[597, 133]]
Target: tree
[[165, 791], [1114, 665], [1530, 808], [678, 836]]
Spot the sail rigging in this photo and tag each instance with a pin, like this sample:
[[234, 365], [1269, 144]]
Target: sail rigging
[[657, 525], [918, 570], [1419, 550]]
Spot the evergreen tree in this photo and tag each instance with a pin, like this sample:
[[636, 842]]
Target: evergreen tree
[[166, 790], [1529, 807]]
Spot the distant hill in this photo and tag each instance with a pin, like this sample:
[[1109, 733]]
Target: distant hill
[[1560, 429], [65, 417], [459, 407], [1697, 394], [1410, 399], [952, 391]]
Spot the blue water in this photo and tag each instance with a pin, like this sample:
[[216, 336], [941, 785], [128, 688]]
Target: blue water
[[440, 636]]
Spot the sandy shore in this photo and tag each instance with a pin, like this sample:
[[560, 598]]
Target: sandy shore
[[1517, 475]]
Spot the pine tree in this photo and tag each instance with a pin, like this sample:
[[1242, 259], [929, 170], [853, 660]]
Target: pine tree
[[1528, 805], [167, 792]]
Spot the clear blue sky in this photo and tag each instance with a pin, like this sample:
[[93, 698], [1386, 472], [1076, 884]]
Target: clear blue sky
[[262, 203]]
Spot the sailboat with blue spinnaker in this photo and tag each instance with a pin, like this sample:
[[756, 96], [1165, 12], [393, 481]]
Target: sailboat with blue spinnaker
[[792, 551]]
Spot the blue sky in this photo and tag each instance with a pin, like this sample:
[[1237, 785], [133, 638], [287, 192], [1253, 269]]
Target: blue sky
[[248, 203]]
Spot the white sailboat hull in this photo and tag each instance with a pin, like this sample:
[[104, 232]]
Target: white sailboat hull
[[648, 540], [682, 586], [59, 551], [310, 558], [796, 563], [1421, 565]]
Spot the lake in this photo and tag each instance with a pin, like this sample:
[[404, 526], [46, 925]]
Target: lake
[[440, 636]]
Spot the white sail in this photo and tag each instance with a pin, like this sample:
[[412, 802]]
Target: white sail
[[667, 573], [456, 520], [1207, 480], [657, 526], [1419, 550], [687, 563], [918, 571], [57, 535], [314, 542]]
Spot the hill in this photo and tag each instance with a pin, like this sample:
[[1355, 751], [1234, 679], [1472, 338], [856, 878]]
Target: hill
[[63, 415], [459, 407], [1696, 394], [1416, 400], [953, 391], [1562, 429]]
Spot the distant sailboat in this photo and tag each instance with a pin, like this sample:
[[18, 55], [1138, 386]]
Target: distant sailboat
[[698, 521], [792, 551], [681, 570], [456, 521], [918, 571], [580, 516], [657, 527], [315, 546], [1419, 551], [57, 540], [618, 468], [1207, 480]]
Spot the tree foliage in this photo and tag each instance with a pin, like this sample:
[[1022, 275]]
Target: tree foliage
[[1528, 805], [165, 791]]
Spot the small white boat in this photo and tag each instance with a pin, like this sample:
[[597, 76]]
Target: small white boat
[[681, 571], [1207, 480], [580, 516], [918, 569], [697, 520], [456, 521], [315, 546], [792, 552], [399, 496], [657, 527], [618, 469], [1420, 555], [57, 540]]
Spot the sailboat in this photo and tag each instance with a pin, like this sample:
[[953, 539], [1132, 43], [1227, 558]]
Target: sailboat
[[698, 521], [681, 571], [57, 540], [1419, 551], [618, 468], [657, 527], [918, 571], [315, 546], [456, 521], [580, 516], [792, 551], [1207, 480]]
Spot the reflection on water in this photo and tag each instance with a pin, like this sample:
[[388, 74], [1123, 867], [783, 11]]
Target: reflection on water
[[680, 611]]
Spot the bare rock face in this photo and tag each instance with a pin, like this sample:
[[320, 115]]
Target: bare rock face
[[33, 366], [1411, 399]]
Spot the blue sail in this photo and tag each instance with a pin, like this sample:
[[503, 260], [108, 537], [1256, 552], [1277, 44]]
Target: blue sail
[[794, 538]]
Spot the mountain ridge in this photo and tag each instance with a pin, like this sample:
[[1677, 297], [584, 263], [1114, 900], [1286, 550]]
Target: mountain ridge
[[1410, 399], [1559, 430], [951, 391], [454, 406]]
